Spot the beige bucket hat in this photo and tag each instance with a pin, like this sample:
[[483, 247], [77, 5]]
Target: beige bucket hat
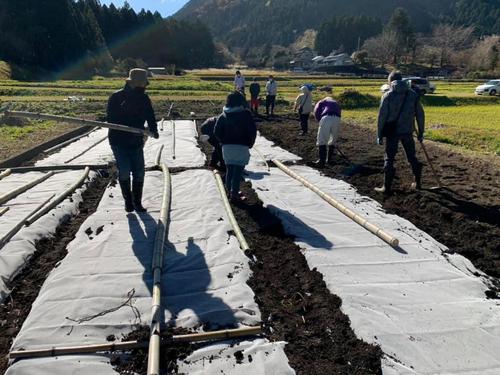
[[138, 77]]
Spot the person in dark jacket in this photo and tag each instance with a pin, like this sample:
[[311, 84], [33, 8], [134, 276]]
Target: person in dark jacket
[[207, 129], [396, 122], [131, 107], [236, 131], [254, 96]]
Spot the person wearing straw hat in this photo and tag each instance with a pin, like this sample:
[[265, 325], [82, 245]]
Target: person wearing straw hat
[[132, 107]]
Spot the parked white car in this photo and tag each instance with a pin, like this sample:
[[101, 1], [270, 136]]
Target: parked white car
[[489, 88], [421, 84]]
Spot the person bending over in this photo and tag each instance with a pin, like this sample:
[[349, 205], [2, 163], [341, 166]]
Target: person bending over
[[328, 113], [216, 159]]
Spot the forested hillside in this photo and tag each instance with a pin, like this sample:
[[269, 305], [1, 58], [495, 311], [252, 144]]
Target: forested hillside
[[243, 23], [85, 38]]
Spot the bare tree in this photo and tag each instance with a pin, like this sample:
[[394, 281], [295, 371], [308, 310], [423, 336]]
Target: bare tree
[[448, 40], [383, 48], [486, 54]]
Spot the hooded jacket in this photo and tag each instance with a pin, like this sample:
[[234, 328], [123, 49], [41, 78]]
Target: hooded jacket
[[411, 109], [327, 107], [304, 101], [236, 127], [132, 108]]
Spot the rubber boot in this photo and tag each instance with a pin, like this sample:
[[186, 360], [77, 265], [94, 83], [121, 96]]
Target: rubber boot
[[388, 178], [127, 195], [137, 194], [331, 154], [322, 157], [417, 172]]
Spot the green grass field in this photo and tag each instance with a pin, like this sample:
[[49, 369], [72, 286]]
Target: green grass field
[[454, 114]]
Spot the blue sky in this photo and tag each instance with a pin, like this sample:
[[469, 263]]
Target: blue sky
[[165, 7]]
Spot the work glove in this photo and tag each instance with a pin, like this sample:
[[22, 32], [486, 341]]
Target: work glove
[[156, 135], [204, 138], [380, 141]]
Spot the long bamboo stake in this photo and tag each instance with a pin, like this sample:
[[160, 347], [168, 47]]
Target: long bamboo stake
[[156, 309], [15, 192], [6, 238], [76, 121], [391, 240], [69, 141], [236, 228], [70, 167], [158, 156], [4, 210], [86, 150], [5, 173], [60, 198], [129, 345]]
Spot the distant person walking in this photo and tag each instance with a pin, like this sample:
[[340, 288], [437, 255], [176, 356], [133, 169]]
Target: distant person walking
[[399, 109], [303, 105], [207, 129], [328, 113], [239, 82], [132, 107], [254, 96], [236, 131], [271, 92]]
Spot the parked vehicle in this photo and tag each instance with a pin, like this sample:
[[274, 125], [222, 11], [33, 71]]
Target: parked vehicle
[[422, 84], [489, 88]]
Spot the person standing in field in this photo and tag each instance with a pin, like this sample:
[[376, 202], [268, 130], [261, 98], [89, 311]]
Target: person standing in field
[[303, 105], [271, 92], [216, 159], [328, 113], [399, 109], [254, 96], [236, 131], [239, 82], [132, 107]]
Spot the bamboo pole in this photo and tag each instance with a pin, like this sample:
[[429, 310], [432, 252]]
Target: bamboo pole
[[5, 173], [239, 235], [173, 139], [391, 240], [71, 167], [156, 309], [4, 210], [262, 157], [76, 121], [129, 345], [15, 192], [158, 156], [69, 141], [87, 149], [60, 198], [6, 238]]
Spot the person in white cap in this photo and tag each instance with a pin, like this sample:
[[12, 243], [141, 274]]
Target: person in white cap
[[132, 107]]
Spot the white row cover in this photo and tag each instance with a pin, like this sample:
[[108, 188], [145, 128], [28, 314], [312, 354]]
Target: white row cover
[[427, 310]]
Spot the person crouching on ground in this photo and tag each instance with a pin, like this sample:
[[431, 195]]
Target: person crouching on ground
[[303, 104], [132, 107], [254, 96], [236, 131], [271, 92], [328, 113], [216, 159], [396, 122]]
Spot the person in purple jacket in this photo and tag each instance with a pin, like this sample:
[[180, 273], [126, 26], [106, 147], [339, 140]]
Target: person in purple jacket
[[328, 113]]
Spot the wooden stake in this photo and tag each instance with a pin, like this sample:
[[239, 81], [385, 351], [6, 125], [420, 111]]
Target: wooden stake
[[69, 141], [4, 210], [173, 139], [76, 121], [218, 335], [15, 192], [70, 167], [87, 149], [391, 240], [262, 157], [5, 173], [59, 199], [236, 228]]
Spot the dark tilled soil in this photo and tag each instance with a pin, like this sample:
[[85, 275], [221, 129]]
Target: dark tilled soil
[[50, 251], [465, 216]]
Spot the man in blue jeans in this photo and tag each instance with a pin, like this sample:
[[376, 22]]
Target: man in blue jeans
[[399, 109], [132, 107]]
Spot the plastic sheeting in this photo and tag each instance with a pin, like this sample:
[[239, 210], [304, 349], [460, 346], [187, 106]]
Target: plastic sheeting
[[203, 284], [427, 310]]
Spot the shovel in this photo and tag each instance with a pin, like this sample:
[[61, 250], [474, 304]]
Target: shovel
[[434, 173]]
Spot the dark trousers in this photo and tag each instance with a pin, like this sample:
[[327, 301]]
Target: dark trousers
[[216, 158], [270, 102], [234, 173], [129, 160], [304, 122], [391, 149]]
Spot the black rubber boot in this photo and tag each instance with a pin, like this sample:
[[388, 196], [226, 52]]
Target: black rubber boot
[[388, 178], [331, 154], [417, 172], [137, 194], [322, 157], [127, 195]]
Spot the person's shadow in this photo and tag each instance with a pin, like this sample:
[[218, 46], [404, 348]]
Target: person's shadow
[[185, 282]]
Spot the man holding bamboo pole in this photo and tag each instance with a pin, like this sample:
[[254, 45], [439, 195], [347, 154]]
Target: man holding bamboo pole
[[132, 107]]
